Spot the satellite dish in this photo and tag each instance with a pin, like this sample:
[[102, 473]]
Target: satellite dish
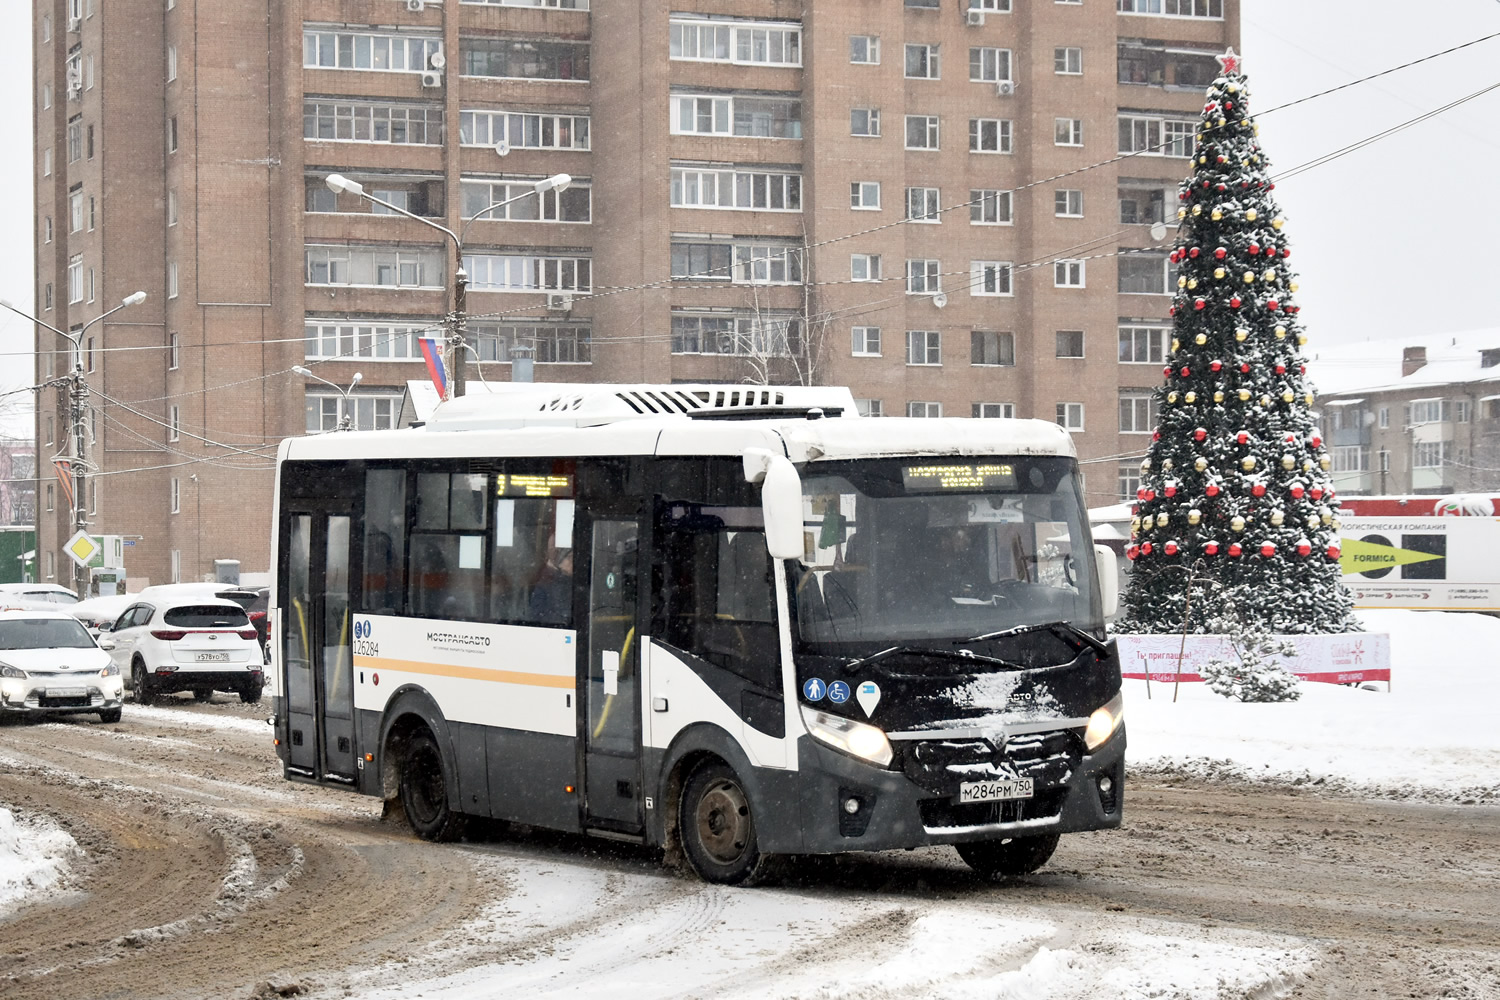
[[940, 299], [502, 148], [437, 60], [1158, 231]]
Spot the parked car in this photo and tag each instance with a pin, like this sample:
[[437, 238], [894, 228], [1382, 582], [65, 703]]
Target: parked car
[[50, 665], [96, 612], [200, 645], [35, 596], [254, 602]]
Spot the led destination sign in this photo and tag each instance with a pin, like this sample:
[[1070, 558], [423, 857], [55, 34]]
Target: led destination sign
[[958, 476], [533, 486]]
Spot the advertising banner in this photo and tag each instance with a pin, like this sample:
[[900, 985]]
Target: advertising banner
[[1425, 563], [1349, 658]]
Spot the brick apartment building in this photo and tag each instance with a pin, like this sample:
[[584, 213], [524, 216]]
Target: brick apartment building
[[763, 189]]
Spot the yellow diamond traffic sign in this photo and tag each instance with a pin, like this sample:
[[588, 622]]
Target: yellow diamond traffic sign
[[81, 547]]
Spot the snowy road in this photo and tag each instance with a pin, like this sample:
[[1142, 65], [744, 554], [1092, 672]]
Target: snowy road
[[205, 875]]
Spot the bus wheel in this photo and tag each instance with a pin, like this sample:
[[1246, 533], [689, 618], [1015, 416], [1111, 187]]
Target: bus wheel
[[717, 829], [424, 792], [1009, 858]]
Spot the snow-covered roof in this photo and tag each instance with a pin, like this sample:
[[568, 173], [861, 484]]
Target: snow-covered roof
[[1375, 365]]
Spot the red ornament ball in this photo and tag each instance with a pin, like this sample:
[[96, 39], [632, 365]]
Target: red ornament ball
[[1156, 435], [1234, 303], [1145, 548], [1170, 489], [1212, 489], [1140, 492], [1317, 441], [1297, 491], [1317, 492], [1132, 551], [1245, 367], [1259, 490], [1166, 372], [1200, 433], [1228, 105], [1267, 549], [1220, 253], [1286, 251], [1242, 437], [1280, 369], [1333, 551], [1253, 249], [1170, 548], [1215, 365], [1221, 158], [1194, 251], [1304, 547], [1211, 549], [1235, 550], [1186, 371], [1199, 304], [1302, 369], [1150, 494], [1273, 305]]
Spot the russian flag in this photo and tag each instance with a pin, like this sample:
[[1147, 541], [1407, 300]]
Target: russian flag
[[432, 354]]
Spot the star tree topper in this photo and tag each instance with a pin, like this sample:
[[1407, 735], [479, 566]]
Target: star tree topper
[[1229, 61]]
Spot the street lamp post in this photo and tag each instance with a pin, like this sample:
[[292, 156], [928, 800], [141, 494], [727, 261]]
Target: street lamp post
[[346, 421], [457, 320], [78, 397]]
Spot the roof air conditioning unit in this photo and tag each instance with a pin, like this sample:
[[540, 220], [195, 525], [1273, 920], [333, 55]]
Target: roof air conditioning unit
[[559, 302], [416, 6], [975, 18], [1005, 88], [432, 78]]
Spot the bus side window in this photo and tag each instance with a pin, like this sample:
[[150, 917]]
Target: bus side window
[[385, 541], [531, 567], [447, 559]]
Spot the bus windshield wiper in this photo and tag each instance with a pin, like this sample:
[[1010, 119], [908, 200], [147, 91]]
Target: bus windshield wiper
[[944, 654], [1061, 629]]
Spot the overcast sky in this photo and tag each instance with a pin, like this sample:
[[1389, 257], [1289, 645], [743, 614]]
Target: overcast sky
[[1383, 238]]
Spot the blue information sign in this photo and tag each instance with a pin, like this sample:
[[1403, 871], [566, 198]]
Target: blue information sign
[[813, 689], [838, 692]]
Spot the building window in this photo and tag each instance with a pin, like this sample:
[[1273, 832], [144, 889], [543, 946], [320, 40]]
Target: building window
[[1431, 454], [518, 130], [1067, 203], [993, 411], [1156, 136], [365, 340], [75, 211], [369, 121], [989, 135], [47, 296], [1384, 414], [523, 59], [93, 212], [990, 6], [575, 204], [921, 132], [922, 409], [1141, 204], [989, 208], [923, 277], [761, 335], [91, 285], [989, 348], [172, 279], [47, 229], [753, 117], [866, 342], [521, 273], [989, 277], [864, 266], [1070, 343], [865, 195], [1351, 458], [376, 267], [88, 72], [767, 264], [864, 121], [702, 261], [864, 50], [1144, 274], [555, 4], [1128, 479], [172, 134], [1155, 64], [174, 422], [368, 411], [1137, 412], [869, 408], [1067, 131], [923, 4], [1067, 274], [46, 27], [922, 205], [1143, 344], [88, 352], [1173, 8], [175, 491], [737, 190], [174, 351], [758, 43], [988, 65], [551, 343], [401, 52], [75, 138], [1070, 416], [47, 162], [1385, 460], [922, 62], [88, 142], [75, 279], [924, 347], [171, 63], [1427, 411], [1067, 61]]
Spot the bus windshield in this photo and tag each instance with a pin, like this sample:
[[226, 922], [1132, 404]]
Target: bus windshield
[[908, 549]]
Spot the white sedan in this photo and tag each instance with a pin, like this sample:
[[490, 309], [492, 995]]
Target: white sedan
[[200, 645], [50, 665]]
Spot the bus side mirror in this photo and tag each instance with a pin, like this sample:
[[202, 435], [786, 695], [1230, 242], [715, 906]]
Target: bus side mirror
[[780, 500], [1109, 579]]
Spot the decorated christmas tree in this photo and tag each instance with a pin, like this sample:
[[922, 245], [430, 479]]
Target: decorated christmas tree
[[1235, 508]]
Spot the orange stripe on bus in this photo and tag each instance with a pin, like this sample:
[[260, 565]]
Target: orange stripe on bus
[[466, 673]]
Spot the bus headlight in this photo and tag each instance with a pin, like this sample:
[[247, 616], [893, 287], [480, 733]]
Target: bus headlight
[[857, 739], [1104, 722]]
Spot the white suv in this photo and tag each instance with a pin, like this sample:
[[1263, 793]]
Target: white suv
[[200, 645]]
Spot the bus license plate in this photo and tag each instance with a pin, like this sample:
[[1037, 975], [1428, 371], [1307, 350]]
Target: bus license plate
[[213, 658], [994, 791]]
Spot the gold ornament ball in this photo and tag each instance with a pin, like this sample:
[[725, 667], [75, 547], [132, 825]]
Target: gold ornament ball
[[1277, 222], [1312, 520], [1241, 334], [1171, 397], [1301, 339], [1192, 283], [1219, 396], [1145, 464], [1197, 209], [1265, 399], [1161, 519], [1308, 398], [1244, 395], [1307, 465], [1195, 515], [1324, 463], [1288, 462], [1249, 215], [1203, 159], [1288, 396], [1337, 524], [1201, 339], [1249, 277], [1191, 397], [1135, 524], [1175, 343], [1232, 88], [1219, 272], [1200, 463], [1182, 213], [1237, 523], [1270, 274], [1166, 465], [1216, 215], [1277, 517], [1244, 163], [1327, 517], [1291, 286], [1281, 331], [1247, 463], [1220, 123], [1182, 281]]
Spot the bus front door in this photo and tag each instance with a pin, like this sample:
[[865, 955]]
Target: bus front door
[[316, 649], [611, 681]]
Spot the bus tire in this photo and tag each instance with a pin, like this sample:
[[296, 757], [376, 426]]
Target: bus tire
[[424, 792], [1008, 858], [717, 829]]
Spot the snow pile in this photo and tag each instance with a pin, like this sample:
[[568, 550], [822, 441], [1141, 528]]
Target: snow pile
[[1431, 736], [33, 856]]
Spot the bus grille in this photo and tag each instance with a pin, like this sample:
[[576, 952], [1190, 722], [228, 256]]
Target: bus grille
[[939, 765]]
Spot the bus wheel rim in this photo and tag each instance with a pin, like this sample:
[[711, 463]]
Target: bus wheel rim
[[724, 822]]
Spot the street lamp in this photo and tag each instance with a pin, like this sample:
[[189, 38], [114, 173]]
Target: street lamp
[[458, 319], [347, 420], [78, 397]]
